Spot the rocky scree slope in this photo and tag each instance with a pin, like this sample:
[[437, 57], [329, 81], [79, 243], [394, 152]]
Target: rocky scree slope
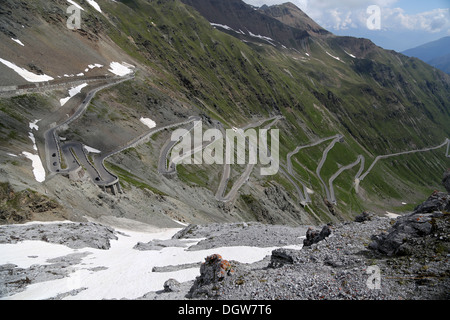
[[381, 101], [411, 255]]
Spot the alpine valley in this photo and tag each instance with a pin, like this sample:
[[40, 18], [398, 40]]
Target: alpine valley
[[87, 113]]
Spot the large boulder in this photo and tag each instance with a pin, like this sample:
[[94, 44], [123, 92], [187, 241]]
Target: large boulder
[[314, 236], [212, 271], [363, 217], [282, 256], [399, 238], [421, 223], [172, 285], [438, 201]]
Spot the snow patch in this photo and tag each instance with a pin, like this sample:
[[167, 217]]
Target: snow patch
[[38, 168], [120, 69], [27, 75], [350, 54], [33, 125], [94, 5], [18, 41], [72, 92], [148, 122], [91, 150], [392, 215], [223, 26], [75, 4], [268, 39], [133, 266], [337, 58]]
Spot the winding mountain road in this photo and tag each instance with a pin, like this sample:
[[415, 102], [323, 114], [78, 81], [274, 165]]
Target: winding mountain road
[[330, 192], [53, 149], [338, 138], [447, 142], [304, 195], [73, 155], [361, 160], [220, 194]]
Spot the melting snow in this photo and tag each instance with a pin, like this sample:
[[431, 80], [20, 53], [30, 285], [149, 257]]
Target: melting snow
[[148, 122], [38, 168], [92, 66], [27, 75], [262, 37], [226, 27], [95, 5], [222, 26], [120, 69], [18, 41], [350, 54], [75, 4], [392, 215], [72, 92], [91, 150], [126, 272], [33, 125], [337, 58]]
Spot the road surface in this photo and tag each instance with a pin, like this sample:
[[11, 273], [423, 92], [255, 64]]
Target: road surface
[[220, 194], [304, 196], [73, 152], [447, 142]]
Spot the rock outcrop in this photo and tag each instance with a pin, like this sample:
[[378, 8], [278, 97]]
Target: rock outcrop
[[314, 236], [428, 219], [172, 285], [365, 216], [212, 271], [438, 201], [23, 206], [72, 235]]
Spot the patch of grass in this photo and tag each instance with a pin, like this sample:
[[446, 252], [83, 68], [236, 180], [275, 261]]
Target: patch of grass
[[193, 174], [131, 179]]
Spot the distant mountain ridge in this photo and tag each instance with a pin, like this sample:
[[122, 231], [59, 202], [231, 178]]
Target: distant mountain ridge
[[435, 53], [250, 21], [289, 14]]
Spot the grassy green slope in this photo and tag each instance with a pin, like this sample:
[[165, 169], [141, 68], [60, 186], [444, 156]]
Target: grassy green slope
[[382, 102]]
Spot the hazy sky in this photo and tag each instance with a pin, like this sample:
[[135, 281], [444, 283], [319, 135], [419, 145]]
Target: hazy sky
[[404, 23]]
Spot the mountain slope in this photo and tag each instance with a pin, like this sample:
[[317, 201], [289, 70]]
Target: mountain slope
[[289, 14], [250, 23], [381, 102], [435, 53]]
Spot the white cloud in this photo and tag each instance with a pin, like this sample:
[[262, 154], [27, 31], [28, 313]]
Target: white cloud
[[431, 21], [351, 14]]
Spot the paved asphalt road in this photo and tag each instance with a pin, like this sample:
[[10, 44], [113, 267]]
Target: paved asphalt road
[[54, 150]]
